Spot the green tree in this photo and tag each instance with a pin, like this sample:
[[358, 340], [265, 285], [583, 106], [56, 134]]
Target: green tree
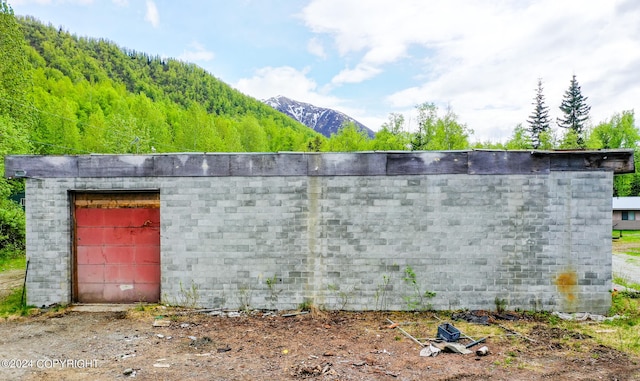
[[12, 220], [520, 139], [348, 139], [619, 132], [451, 135], [576, 114], [427, 118], [252, 135], [439, 133], [395, 123], [14, 68], [539, 119], [392, 136]]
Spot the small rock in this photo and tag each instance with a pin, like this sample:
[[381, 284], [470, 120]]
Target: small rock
[[160, 336], [224, 349], [184, 325], [193, 338], [232, 314], [127, 371], [161, 365]]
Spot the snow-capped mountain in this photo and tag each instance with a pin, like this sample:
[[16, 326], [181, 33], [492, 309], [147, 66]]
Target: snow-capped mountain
[[323, 120]]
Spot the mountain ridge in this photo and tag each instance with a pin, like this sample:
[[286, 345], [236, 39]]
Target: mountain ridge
[[322, 120]]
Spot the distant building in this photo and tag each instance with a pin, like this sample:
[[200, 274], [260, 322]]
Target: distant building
[[626, 213]]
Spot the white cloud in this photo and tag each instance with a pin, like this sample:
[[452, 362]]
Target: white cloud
[[484, 58], [152, 15], [196, 53], [360, 73], [315, 47], [268, 82]]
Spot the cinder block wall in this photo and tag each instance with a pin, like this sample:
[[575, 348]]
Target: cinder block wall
[[537, 241]]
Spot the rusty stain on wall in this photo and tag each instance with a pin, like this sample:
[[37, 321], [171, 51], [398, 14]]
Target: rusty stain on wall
[[566, 282], [111, 200]]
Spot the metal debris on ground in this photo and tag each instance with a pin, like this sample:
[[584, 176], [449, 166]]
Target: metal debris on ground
[[429, 351], [483, 317], [161, 323], [584, 316], [456, 348], [448, 332], [476, 316], [295, 314], [482, 351], [475, 342], [511, 331], [406, 333]]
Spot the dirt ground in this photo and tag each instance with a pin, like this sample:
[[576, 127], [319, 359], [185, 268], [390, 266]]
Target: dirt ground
[[68, 345], [10, 280]]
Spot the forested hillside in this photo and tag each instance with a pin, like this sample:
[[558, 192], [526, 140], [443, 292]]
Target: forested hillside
[[89, 95], [63, 94]]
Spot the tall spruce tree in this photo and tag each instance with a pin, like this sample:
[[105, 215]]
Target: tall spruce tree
[[576, 112], [539, 120]]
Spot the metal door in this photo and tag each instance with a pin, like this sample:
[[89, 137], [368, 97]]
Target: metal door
[[117, 247]]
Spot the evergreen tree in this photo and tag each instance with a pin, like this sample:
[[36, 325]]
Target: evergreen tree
[[539, 120], [576, 112]]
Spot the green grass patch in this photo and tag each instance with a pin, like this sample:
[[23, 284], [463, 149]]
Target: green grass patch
[[626, 242], [633, 251], [12, 304], [621, 333], [625, 283], [13, 263], [627, 235]]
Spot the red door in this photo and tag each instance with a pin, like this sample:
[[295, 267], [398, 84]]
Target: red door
[[117, 248]]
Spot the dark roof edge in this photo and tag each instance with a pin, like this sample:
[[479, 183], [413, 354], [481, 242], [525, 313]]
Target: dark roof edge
[[479, 162]]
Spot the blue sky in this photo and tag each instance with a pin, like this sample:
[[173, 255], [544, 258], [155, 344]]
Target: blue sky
[[371, 58]]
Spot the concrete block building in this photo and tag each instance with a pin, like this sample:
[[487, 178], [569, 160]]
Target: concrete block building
[[355, 231]]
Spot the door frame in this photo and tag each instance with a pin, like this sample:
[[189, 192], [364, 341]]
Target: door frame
[[72, 196]]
